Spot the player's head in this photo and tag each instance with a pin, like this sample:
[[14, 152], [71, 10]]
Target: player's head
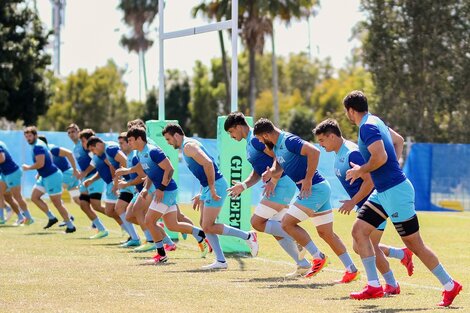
[[31, 134], [236, 125], [95, 145], [174, 135], [72, 131], [136, 122], [355, 103], [43, 139], [264, 130], [123, 142], [328, 134], [137, 138], [84, 135]]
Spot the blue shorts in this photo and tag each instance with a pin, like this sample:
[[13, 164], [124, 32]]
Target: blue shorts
[[169, 197], [52, 184], [284, 191], [319, 200], [96, 187], [111, 197], [13, 179], [398, 201], [221, 189], [137, 193], [70, 181], [2, 180]]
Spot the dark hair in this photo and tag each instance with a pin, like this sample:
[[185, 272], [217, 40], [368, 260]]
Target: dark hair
[[137, 132], [92, 141], [43, 138], [356, 100], [262, 126], [136, 122], [31, 129], [74, 126], [123, 135], [234, 119], [328, 126], [86, 133], [173, 129]]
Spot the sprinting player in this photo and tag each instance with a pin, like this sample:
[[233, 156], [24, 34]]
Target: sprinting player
[[50, 178], [90, 197], [395, 195], [159, 172], [167, 242], [65, 162], [299, 160], [212, 196], [277, 192], [7, 197], [11, 174], [329, 136], [107, 158]]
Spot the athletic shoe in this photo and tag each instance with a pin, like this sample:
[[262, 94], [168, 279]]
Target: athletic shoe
[[19, 222], [148, 246], [368, 292], [407, 261], [216, 266], [100, 234], [302, 251], [131, 243], [70, 230], [9, 213], [28, 221], [159, 259], [51, 222], [299, 272], [349, 277], [184, 235], [253, 243], [169, 247], [390, 290], [63, 223], [449, 296], [318, 265], [204, 248], [122, 242]]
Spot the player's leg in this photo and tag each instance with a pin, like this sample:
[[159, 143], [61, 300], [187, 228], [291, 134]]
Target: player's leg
[[120, 208], [139, 210], [151, 218], [3, 188], [36, 197], [13, 181], [391, 285]]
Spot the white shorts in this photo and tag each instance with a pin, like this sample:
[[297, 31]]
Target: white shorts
[[162, 208]]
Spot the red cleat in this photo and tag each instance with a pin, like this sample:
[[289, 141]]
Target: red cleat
[[318, 265], [168, 247], [368, 292], [158, 259], [407, 261], [449, 296], [348, 277], [390, 290]]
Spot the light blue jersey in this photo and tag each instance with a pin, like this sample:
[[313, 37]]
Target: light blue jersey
[[196, 168], [394, 192], [8, 166], [285, 187], [372, 129], [149, 158], [349, 152]]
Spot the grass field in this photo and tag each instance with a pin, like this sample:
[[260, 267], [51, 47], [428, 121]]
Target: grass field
[[48, 271]]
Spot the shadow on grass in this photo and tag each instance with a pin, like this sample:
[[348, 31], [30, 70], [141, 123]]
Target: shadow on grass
[[156, 265], [376, 308], [43, 233], [300, 286], [276, 279]]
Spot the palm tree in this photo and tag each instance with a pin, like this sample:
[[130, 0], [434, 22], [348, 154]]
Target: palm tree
[[139, 14]]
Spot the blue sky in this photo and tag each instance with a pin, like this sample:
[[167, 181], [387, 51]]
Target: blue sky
[[93, 29]]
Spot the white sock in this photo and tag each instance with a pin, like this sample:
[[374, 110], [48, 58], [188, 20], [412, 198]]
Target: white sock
[[374, 283], [449, 286]]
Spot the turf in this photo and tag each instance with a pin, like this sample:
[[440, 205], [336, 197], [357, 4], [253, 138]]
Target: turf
[[48, 271]]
